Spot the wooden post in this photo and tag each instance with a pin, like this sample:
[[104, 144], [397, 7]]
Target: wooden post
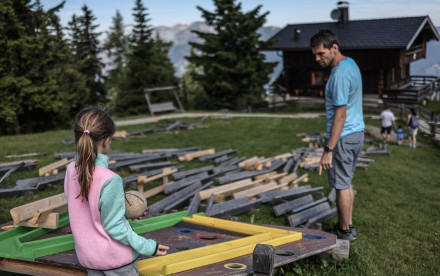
[[262, 260]]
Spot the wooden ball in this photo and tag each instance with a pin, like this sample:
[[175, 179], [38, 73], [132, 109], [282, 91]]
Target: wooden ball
[[135, 204]]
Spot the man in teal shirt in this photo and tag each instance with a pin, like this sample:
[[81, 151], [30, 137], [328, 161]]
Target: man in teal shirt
[[345, 126]]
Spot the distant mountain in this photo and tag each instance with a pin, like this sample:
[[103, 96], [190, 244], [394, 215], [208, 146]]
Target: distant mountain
[[431, 64], [182, 34]]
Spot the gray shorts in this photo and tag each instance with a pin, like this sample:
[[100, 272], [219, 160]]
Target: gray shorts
[[131, 270], [412, 131], [345, 157]]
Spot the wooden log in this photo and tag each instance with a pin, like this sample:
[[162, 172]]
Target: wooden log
[[287, 207], [191, 156], [173, 126], [276, 177], [133, 178], [221, 159], [194, 205], [141, 180], [233, 161], [227, 204], [263, 259], [24, 155], [186, 196], [210, 203], [47, 170], [120, 134], [341, 251], [205, 194], [225, 169], [283, 156], [41, 215], [323, 216], [304, 216], [258, 190], [177, 185], [268, 197], [183, 174], [51, 221]]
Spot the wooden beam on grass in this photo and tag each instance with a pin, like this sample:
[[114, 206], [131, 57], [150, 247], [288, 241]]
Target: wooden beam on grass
[[268, 197], [287, 207], [259, 190], [191, 156], [177, 185], [49, 169], [141, 180], [183, 174], [205, 194], [288, 178], [304, 216]]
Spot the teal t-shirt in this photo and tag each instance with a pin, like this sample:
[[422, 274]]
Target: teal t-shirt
[[344, 87]]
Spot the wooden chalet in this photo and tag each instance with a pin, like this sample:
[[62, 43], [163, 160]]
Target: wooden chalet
[[382, 48]]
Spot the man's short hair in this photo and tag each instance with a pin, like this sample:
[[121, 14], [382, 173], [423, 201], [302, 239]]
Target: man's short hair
[[325, 37]]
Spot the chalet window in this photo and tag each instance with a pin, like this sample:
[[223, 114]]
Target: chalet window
[[317, 78]]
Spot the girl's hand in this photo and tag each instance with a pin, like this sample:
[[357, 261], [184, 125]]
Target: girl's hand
[[161, 250]]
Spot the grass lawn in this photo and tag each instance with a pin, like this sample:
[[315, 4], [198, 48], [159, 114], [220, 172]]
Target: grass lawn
[[396, 207]]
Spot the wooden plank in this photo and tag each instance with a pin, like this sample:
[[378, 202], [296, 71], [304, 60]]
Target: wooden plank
[[130, 162], [141, 180], [283, 156], [287, 207], [269, 196], [295, 193], [191, 156], [194, 205], [239, 176], [288, 178], [205, 194], [32, 268], [288, 165], [177, 185], [51, 222], [258, 190], [174, 199], [248, 161], [27, 211], [302, 178], [221, 194], [47, 170], [181, 199], [183, 174], [309, 205], [28, 164], [136, 168], [304, 216], [41, 215], [265, 176], [216, 155]]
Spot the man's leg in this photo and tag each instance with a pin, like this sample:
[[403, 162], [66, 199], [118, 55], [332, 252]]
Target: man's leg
[[344, 200]]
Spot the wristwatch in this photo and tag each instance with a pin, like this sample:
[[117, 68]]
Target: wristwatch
[[327, 149]]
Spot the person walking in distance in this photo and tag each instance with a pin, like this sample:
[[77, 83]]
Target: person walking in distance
[[105, 243], [388, 121], [413, 126], [345, 126]]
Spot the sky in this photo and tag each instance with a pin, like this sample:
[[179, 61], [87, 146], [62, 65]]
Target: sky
[[282, 12]]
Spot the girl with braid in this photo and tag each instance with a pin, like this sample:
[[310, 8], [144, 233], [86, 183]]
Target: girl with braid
[[105, 243]]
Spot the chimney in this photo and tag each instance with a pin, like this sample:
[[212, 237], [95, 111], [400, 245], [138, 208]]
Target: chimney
[[343, 8], [296, 33]]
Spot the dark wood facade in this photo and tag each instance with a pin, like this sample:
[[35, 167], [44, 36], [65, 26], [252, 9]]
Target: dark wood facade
[[380, 69], [382, 48]]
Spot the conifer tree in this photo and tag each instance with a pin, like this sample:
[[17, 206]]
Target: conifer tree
[[85, 45], [34, 69], [116, 47], [148, 65], [234, 70]]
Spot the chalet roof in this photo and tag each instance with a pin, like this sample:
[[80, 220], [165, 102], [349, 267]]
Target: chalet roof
[[361, 34]]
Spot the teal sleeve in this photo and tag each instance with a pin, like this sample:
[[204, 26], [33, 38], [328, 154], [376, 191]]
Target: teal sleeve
[[112, 208]]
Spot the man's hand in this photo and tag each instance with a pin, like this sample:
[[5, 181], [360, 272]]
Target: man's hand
[[326, 161], [161, 250]]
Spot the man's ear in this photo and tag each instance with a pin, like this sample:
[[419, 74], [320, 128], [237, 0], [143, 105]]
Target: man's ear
[[335, 47]]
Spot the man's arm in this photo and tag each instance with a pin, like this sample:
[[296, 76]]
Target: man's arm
[[335, 133]]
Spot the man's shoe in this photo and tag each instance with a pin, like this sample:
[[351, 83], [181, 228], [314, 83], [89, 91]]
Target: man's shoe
[[353, 231], [342, 234]]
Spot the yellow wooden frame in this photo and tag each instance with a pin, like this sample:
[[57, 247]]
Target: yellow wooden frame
[[190, 259]]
